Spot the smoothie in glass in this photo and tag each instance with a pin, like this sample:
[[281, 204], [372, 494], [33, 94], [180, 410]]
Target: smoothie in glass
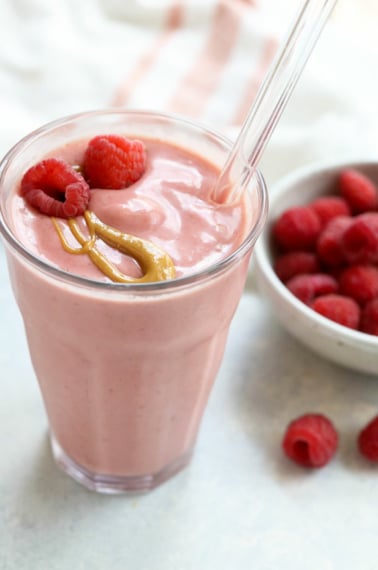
[[126, 368]]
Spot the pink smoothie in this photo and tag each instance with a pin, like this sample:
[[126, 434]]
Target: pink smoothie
[[126, 372]]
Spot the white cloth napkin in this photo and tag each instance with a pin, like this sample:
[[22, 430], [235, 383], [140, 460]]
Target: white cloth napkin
[[202, 58]]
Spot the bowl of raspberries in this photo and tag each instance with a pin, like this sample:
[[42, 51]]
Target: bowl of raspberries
[[317, 260]]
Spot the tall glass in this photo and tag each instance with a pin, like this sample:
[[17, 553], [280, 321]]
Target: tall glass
[[125, 370]]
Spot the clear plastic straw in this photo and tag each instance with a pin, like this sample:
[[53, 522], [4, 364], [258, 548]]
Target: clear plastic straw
[[272, 99]]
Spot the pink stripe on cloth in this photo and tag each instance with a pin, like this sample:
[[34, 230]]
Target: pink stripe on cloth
[[174, 20], [203, 76], [256, 79]]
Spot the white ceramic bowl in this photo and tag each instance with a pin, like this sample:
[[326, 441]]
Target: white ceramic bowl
[[344, 346]]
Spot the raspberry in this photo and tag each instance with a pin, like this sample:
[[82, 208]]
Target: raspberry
[[55, 189], [113, 162], [360, 240], [310, 440], [338, 308], [307, 287], [369, 318], [297, 229], [368, 440], [359, 282], [329, 246], [294, 263], [358, 190], [329, 207]]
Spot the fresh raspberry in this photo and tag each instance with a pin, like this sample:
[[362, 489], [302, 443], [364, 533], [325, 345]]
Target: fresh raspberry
[[360, 240], [113, 162], [329, 246], [329, 207], [359, 282], [297, 229], [358, 190], [368, 440], [294, 263], [369, 318], [338, 308], [311, 440], [307, 287], [55, 189]]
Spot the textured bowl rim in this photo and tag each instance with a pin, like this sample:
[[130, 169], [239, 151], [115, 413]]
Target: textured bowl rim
[[262, 257]]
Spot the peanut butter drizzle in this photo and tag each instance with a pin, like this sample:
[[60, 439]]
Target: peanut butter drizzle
[[156, 265]]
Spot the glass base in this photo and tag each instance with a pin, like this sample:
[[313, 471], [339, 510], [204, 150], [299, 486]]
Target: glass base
[[114, 484]]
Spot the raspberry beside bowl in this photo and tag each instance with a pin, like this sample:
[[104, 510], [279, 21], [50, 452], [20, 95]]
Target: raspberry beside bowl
[[344, 346]]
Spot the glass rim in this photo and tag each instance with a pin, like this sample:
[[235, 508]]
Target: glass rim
[[177, 282]]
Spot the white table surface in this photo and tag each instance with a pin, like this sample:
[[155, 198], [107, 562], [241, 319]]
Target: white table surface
[[240, 505]]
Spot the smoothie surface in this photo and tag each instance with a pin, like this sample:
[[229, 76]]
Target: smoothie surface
[[170, 205]]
